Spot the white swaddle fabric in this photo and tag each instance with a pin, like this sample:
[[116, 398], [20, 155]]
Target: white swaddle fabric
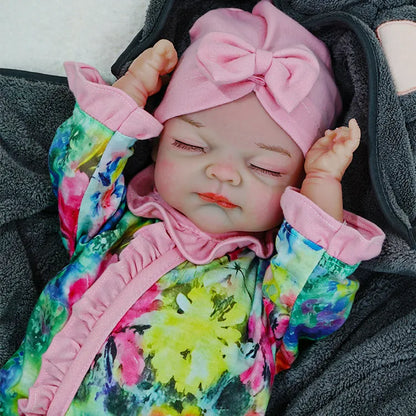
[[40, 35]]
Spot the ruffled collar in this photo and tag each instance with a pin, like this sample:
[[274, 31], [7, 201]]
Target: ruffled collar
[[194, 244]]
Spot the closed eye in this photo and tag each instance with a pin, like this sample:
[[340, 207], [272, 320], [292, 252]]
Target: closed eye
[[265, 171], [186, 146]]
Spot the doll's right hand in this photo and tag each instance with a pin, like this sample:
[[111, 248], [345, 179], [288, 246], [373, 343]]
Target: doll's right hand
[[143, 78]]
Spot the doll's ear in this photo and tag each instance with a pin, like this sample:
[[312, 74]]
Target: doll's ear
[[155, 148]]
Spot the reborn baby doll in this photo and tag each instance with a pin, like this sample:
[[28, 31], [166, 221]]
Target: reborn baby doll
[[181, 298]]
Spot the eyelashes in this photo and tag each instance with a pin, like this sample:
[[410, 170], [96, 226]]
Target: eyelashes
[[185, 146], [199, 149], [265, 171]]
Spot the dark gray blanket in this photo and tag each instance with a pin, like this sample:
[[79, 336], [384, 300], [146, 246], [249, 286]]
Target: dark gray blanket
[[366, 368], [31, 252]]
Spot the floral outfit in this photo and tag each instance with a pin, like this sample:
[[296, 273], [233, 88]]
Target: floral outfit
[[225, 315]]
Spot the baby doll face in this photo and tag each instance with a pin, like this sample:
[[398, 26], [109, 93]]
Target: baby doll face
[[226, 168]]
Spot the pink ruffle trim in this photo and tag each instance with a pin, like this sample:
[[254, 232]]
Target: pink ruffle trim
[[94, 316]]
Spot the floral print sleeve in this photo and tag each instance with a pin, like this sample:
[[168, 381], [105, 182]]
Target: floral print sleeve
[[309, 299], [89, 153], [86, 164]]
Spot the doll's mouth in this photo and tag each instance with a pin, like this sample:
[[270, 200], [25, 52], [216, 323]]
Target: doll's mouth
[[220, 200]]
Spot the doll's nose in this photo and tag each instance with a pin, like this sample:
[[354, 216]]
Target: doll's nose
[[224, 172]]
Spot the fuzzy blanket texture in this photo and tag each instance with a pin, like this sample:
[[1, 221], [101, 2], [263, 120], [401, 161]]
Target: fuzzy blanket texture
[[366, 368]]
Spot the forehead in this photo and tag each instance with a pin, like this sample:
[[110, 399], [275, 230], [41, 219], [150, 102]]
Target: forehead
[[245, 120]]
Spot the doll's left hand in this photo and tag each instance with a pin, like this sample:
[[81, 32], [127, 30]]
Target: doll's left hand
[[332, 154]]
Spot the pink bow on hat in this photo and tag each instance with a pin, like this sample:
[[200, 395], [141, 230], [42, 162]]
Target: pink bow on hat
[[288, 74], [234, 53]]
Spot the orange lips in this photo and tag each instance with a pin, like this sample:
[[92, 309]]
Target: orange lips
[[217, 199]]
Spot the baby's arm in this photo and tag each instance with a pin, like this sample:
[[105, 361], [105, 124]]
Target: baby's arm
[[312, 297], [90, 150], [325, 164], [143, 78]]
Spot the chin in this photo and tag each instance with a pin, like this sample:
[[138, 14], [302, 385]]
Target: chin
[[218, 227], [222, 229], [213, 229]]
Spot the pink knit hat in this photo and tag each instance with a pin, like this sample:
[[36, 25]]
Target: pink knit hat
[[234, 52]]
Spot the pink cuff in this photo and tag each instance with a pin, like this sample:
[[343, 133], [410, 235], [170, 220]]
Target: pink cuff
[[354, 240], [110, 106]]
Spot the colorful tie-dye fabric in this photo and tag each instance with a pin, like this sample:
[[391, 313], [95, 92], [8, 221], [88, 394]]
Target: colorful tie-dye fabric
[[205, 339]]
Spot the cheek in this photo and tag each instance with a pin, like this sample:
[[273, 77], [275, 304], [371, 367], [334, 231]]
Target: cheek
[[168, 176], [165, 170], [267, 208]]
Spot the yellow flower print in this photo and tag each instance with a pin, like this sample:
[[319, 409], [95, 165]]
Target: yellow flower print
[[190, 340], [165, 410]]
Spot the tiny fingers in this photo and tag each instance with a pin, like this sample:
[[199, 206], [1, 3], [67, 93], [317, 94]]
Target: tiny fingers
[[352, 124], [354, 135], [163, 44], [355, 129], [167, 52]]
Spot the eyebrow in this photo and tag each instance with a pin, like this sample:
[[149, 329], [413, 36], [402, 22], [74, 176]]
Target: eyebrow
[[194, 123], [274, 148]]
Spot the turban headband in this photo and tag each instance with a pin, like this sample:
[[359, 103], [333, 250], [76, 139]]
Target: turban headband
[[234, 52]]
